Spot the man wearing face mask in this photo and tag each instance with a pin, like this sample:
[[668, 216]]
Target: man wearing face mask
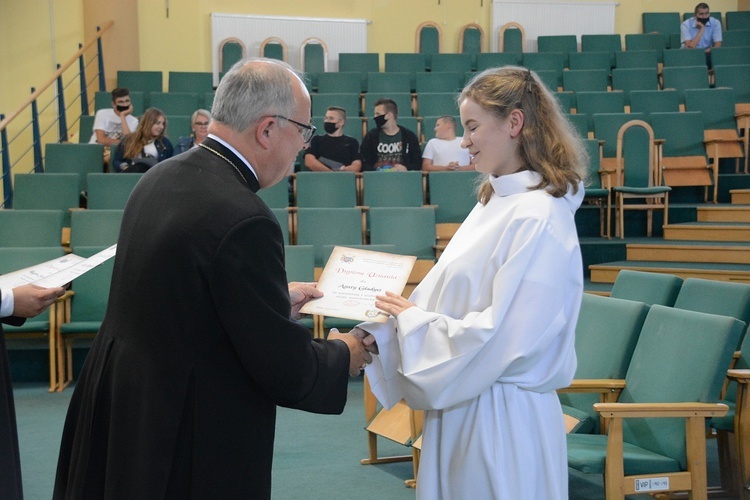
[[334, 151], [701, 31], [112, 124], [389, 146]]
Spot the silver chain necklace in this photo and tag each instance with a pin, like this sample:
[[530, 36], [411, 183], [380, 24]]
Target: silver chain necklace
[[226, 160]]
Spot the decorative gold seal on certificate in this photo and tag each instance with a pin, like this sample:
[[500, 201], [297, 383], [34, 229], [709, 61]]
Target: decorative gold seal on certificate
[[372, 313]]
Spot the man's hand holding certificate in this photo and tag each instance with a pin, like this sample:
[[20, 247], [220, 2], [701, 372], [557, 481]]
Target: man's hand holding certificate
[[351, 280]]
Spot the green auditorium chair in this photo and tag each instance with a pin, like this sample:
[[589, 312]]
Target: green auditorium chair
[[30, 228], [340, 83], [637, 59], [231, 51], [630, 79], [737, 20], [42, 326], [685, 77], [606, 127], [391, 82], [85, 128], [314, 59], [611, 43], [396, 189], [175, 103], [736, 76], [110, 191], [284, 216], [350, 102], [487, 60], [646, 41], [585, 80], [736, 38], [321, 190], [410, 229], [649, 288], [592, 60], [599, 102], [511, 38], [197, 82], [446, 81], [144, 81], [664, 23], [361, 62], [637, 176], [720, 126], [565, 44], [546, 61], [429, 34], [85, 314], [471, 41], [567, 101], [683, 154], [657, 428], [453, 194], [606, 334], [681, 57], [460, 63], [580, 122], [94, 228], [437, 104], [68, 158], [299, 262], [208, 100], [405, 62], [273, 48], [599, 190], [47, 192], [723, 56], [328, 226], [550, 79], [178, 126], [654, 101]]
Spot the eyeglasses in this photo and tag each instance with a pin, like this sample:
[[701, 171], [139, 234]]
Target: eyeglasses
[[201, 124], [307, 131]]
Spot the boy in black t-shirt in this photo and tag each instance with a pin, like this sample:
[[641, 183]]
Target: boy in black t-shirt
[[333, 151]]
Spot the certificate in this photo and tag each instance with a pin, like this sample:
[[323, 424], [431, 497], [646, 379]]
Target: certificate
[[351, 280], [56, 272]]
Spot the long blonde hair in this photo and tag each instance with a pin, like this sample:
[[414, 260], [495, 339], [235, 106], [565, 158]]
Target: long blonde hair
[[135, 142], [548, 144]]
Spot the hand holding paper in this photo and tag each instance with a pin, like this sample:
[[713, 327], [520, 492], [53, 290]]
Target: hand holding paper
[[393, 303], [31, 300], [300, 294]]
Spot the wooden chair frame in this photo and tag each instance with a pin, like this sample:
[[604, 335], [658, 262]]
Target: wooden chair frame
[[428, 24], [274, 39], [308, 41], [461, 34], [742, 429], [501, 36], [221, 49]]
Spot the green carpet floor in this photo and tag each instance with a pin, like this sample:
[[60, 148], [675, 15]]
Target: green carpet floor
[[316, 456]]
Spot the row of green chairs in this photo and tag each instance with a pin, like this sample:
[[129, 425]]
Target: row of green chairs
[[622, 322], [44, 228], [198, 82]]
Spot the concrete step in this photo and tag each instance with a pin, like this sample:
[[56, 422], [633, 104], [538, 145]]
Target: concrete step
[[690, 251], [607, 272], [708, 231]]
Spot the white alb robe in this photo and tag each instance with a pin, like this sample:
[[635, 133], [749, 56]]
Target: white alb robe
[[491, 339]]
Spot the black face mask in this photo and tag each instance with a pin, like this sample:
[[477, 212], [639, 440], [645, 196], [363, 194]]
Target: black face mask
[[380, 121], [702, 20], [122, 108], [329, 127]]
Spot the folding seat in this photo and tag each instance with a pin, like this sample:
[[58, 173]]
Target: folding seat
[[681, 57], [453, 195], [646, 41], [95, 228], [637, 59], [602, 43], [487, 60], [737, 20], [736, 76], [85, 128], [109, 191], [580, 122], [350, 102], [321, 190], [736, 38], [391, 82], [589, 103], [367, 62], [550, 78], [30, 228], [567, 100], [591, 60], [664, 23], [405, 62], [447, 81], [546, 61], [585, 80], [436, 104], [410, 229], [47, 192], [565, 44], [398, 189], [178, 126], [654, 101], [682, 78], [629, 79], [198, 82], [328, 226], [145, 81], [175, 103], [646, 287], [340, 83], [459, 63], [723, 56], [68, 158]]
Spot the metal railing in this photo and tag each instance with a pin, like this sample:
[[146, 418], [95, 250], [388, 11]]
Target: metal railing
[[45, 112]]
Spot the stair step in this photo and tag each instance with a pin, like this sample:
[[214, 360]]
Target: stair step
[[607, 272], [690, 251], [708, 231], [726, 213], [740, 196]]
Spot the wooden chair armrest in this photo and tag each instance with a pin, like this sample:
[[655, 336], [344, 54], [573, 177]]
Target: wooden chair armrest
[[739, 376], [659, 142], [660, 410], [594, 385]]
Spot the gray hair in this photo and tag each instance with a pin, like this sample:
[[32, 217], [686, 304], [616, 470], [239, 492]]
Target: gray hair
[[200, 112], [254, 88]]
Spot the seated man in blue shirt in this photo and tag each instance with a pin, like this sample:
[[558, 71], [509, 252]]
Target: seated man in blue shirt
[[701, 31]]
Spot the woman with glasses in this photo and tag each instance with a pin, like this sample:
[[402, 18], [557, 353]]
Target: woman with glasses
[[199, 125]]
